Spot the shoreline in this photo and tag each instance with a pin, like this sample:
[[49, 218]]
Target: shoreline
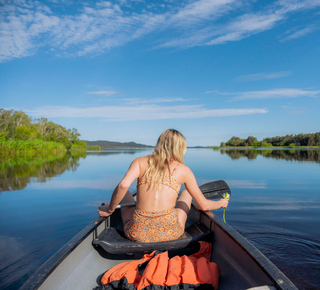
[[270, 148]]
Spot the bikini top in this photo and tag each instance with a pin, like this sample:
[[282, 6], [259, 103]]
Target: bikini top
[[167, 180]]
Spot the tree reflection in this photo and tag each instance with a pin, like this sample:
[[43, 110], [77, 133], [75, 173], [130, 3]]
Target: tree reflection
[[298, 155], [17, 173]]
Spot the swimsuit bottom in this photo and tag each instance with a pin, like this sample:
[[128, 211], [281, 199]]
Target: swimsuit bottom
[[152, 227]]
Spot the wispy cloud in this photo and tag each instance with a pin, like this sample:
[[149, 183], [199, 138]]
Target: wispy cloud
[[198, 11], [299, 32], [153, 101], [268, 94], [143, 112], [25, 26], [245, 26], [262, 76], [105, 93], [21, 25], [276, 94]]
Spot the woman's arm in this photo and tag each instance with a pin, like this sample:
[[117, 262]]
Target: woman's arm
[[121, 189], [194, 190]]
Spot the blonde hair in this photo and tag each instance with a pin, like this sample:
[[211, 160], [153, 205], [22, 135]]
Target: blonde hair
[[171, 145]]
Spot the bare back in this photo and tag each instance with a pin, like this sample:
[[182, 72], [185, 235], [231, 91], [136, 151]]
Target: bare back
[[160, 197]]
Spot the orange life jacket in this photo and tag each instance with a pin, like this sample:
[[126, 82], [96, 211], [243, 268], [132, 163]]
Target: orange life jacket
[[156, 271]]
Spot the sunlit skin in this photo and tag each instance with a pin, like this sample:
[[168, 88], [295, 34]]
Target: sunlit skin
[[164, 197]]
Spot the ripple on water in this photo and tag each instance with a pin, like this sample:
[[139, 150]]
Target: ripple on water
[[289, 251]]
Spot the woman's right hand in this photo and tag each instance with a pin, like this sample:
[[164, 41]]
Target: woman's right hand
[[104, 210]]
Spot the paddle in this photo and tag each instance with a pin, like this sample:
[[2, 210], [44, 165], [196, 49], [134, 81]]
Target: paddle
[[215, 189]]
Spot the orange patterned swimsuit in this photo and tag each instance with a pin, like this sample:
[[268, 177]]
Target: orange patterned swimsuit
[[151, 227]]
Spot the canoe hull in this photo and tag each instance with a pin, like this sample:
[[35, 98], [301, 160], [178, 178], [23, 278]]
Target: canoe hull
[[78, 264]]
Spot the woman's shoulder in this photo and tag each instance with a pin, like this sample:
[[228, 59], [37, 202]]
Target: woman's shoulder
[[143, 161], [181, 167]]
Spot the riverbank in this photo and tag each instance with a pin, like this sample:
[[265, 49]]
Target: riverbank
[[9, 148], [266, 148]]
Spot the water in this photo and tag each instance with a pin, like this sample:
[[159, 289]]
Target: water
[[275, 204]]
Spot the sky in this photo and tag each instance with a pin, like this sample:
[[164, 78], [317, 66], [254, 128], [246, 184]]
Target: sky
[[128, 70]]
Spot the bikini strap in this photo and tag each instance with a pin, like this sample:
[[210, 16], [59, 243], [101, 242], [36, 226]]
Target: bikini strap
[[174, 169]]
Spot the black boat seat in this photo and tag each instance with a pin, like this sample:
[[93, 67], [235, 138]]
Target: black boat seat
[[114, 241]]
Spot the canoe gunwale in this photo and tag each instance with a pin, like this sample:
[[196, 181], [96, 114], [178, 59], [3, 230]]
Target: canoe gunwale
[[280, 280], [41, 274]]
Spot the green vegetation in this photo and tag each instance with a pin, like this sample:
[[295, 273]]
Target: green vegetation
[[94, 148], [20, 135], [38, 147], [288, 141]]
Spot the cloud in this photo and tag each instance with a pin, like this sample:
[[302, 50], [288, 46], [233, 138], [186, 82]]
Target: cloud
[[268, 94], [288, 6], [276, 94], [156, 100], [262, 76], [245, 26], [105, 93], [20, 28], [198, 11], [143, 112], [299, 32], [91, 29]]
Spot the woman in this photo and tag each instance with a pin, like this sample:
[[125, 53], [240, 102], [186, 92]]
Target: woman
[[159, 214]]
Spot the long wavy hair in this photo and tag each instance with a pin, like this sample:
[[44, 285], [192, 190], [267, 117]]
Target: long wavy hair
[[171, 145]]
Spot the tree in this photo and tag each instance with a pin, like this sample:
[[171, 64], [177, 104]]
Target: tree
[[20, 118], [317, 139], [16, 125], [23, 133], [250, 140], [41, 126], [74, 135], [236, 142], [4, 120]]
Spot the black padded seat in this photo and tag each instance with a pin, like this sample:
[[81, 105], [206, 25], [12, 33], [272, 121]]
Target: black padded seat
[[114, 241]]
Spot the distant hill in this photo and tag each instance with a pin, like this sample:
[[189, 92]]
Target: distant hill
[[116, 145]]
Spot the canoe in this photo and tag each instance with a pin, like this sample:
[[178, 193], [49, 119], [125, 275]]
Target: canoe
[[102, 245]]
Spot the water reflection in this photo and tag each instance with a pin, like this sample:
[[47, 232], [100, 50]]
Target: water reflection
[[117, 151], [16, 173], [299, 155]]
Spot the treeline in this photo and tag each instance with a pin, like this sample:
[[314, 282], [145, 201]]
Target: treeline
[[300, 140], [20, 132]]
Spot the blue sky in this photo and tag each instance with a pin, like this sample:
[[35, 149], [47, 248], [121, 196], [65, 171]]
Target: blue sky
[[127, 70]]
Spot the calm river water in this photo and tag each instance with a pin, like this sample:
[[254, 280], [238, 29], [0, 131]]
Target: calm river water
[[275, 204]]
